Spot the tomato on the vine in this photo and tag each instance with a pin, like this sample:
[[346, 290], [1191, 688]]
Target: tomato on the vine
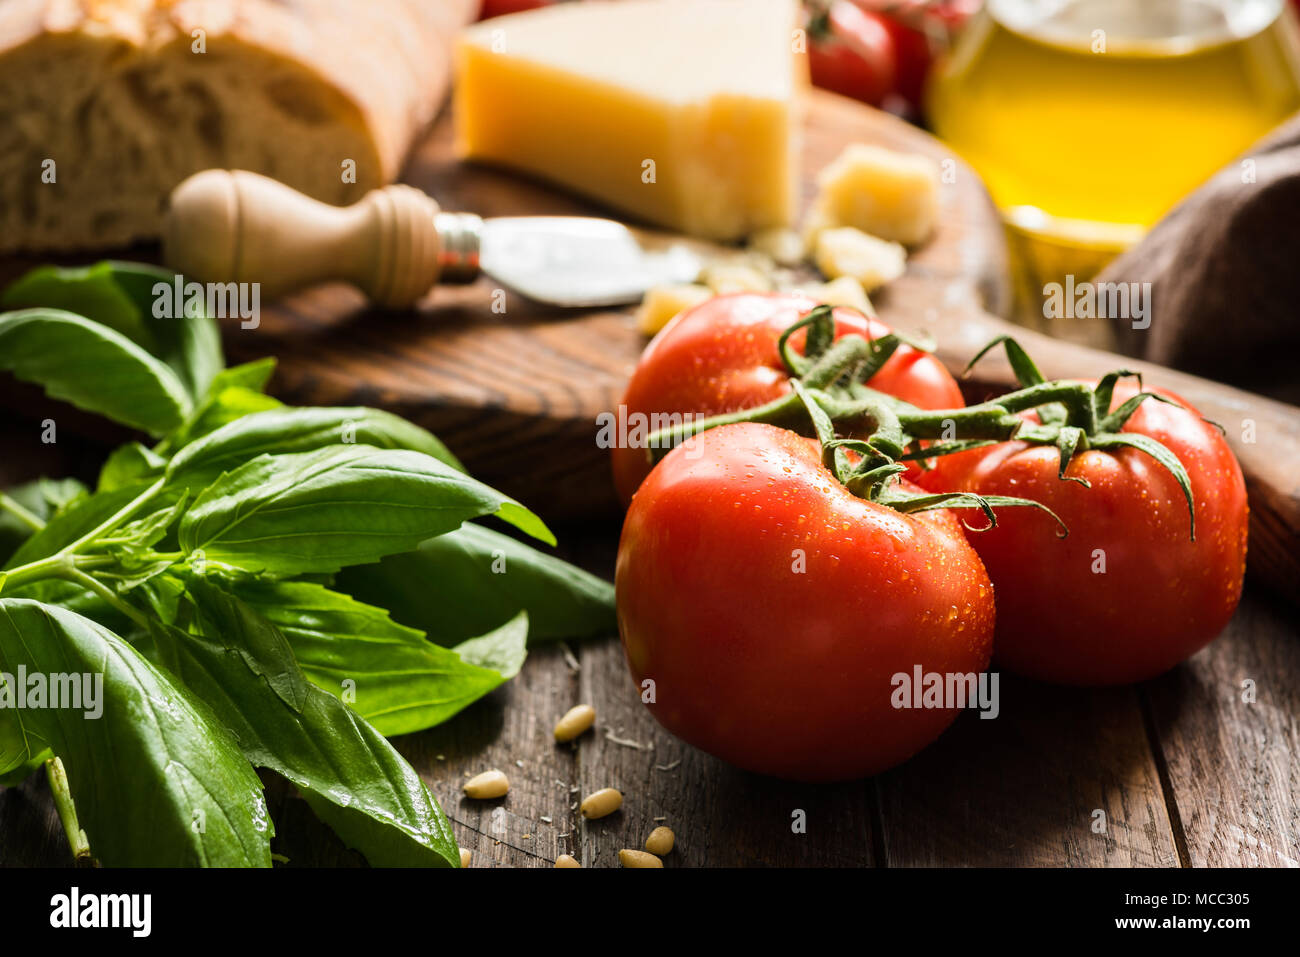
[[722, 356], [1129, 593], [770, 609], [913, 59], [880, 51], [497, 8], [851, 52]]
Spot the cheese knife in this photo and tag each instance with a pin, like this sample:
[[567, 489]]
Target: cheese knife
[[397, 242]]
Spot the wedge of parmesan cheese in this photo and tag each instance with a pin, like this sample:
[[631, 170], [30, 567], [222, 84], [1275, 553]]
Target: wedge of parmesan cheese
[[680, 112]]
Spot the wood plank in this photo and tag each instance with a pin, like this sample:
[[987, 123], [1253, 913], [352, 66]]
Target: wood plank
[[30, 832], [1234, 767], [1021, 790], [722, 817], [510, 730]]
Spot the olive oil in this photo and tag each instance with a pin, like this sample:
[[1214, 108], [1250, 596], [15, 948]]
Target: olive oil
[[1088, 120]]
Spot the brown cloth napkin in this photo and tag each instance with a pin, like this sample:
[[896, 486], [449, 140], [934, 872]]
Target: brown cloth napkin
[[1224, 268]]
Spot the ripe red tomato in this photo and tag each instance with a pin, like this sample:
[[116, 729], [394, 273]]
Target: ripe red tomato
[[913, 59], [869, 49], [851, 52], [722, 356], [1127, 595], [772, 608], [497, 8]]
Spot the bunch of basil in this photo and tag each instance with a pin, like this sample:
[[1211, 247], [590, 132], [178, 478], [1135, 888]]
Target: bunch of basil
[[210, 579]]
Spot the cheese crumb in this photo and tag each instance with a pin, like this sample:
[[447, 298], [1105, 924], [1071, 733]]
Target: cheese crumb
[[726, 278], [844, 291], [785, 247], [846, 251], [891, 195], [662, 303]]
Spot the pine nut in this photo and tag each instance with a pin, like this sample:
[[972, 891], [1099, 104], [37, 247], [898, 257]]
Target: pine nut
[[660, 841], [566, 860], [464, 857], [630, 858], [575, 721], [489, 784], [603, 802]]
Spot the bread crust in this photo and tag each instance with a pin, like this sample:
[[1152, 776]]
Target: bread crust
[[128, 97]]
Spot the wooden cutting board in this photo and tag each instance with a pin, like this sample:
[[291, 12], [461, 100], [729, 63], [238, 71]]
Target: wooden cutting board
[[516, 395]]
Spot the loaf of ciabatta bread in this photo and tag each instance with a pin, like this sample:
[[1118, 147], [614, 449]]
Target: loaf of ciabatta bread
[[105, 105]]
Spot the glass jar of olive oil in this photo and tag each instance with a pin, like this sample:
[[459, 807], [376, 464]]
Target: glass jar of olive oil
[[1089, 119]]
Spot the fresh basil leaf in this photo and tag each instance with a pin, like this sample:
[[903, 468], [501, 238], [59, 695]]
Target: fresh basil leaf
[[72, 522], [161, 597], [285, 515], [45, 496], [502, 650], [149, 529], [125, 297], [190, 343], [155, 780], [226, 406], [93, 367], [244, 668], [13, 532], [15, 749], [390, 675], [74, 598], [41, 499], [23, 769], [17, 762], [134, 567], [89, 291], [461, 584], [234, 393], [253, 376], [306, 429], [130, 464]]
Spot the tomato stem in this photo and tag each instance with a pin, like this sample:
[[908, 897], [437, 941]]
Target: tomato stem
[[837, 371], [875, 476], [828, 390], [1088, 421]]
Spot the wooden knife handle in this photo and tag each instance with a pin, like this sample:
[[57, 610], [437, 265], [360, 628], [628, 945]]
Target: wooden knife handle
[[1264, 433], [236, 226]]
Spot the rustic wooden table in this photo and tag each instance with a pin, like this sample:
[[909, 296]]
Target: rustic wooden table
[[1185, 771]]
